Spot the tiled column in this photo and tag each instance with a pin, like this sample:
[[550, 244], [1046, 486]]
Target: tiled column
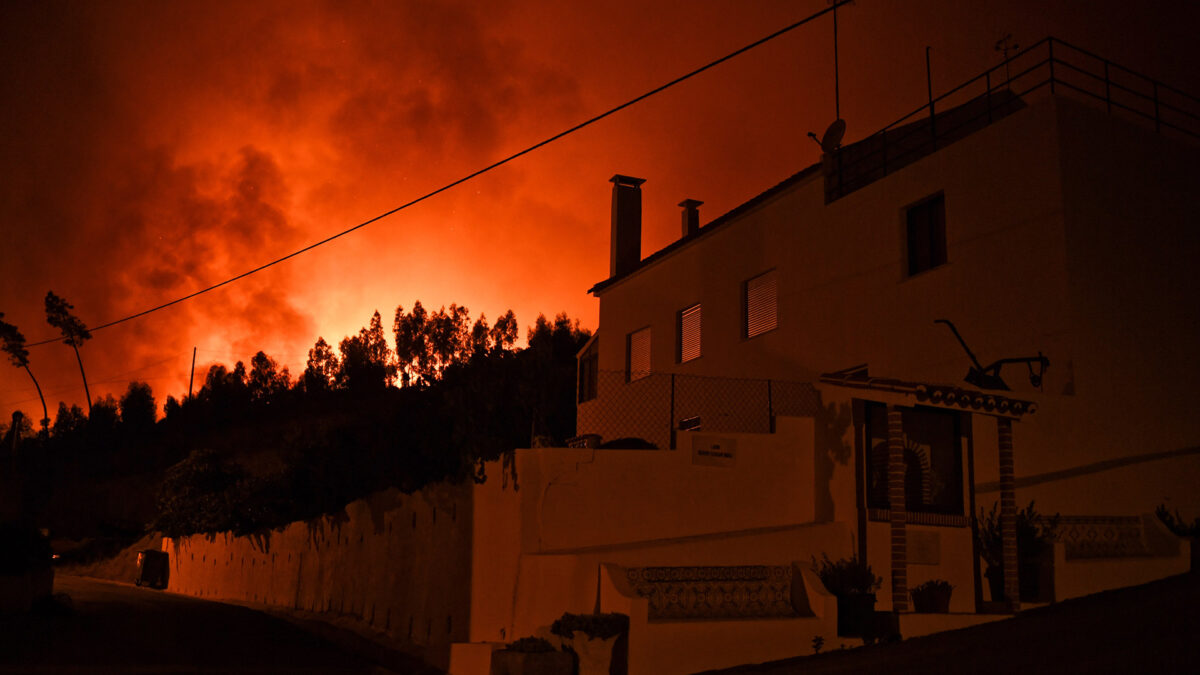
[[896, 506], [1008, 514]]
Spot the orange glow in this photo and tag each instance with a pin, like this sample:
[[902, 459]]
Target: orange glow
[[153, 149]]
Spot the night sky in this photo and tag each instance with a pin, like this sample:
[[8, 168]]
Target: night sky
[[151, 149]]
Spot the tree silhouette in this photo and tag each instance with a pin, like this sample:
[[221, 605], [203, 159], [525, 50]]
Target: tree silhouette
[[74, 332], [504, 333], [14, 343], [411, 349], [366, 359], [266, 381], [448, 340], [320, 372], [138, 409]]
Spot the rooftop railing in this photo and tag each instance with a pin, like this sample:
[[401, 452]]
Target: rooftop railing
[[1051, 64]]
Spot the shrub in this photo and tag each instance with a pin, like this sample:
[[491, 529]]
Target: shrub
[[847, 576], [530, 645], [933, 586], [1035, 533], [601, 626], [1176, 524]]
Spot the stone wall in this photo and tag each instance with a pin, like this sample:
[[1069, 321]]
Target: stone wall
[[399, 563]]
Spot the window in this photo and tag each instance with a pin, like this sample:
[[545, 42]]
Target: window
[[926, 235], [637, 355], [688, 324], [932, 460], [758, 301]]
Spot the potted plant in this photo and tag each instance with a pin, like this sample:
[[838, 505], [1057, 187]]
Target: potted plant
[[1181, 528], [932, 597], [531, 656], [1035, 536], [600, 642], [854, 584]]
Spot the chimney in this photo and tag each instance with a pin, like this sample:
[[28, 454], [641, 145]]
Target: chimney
[[691, 216], [626, 224]]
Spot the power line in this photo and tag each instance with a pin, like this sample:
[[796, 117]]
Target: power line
[[479, 172]]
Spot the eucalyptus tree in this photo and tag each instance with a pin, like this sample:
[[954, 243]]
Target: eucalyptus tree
[[13, 342], [74, 332]]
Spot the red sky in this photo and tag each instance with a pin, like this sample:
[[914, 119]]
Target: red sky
[[151, 149]]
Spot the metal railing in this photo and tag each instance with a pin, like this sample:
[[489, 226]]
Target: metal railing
[[657, 406], [1051, 64]]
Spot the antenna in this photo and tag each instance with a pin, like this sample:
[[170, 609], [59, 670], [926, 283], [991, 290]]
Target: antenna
[[1005, 45], [832, 140]]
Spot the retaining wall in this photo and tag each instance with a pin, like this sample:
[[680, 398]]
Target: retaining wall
[[400, 563]]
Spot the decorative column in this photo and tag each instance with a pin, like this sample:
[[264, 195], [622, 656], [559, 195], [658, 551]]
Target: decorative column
[[896, 507], [1008, 515]]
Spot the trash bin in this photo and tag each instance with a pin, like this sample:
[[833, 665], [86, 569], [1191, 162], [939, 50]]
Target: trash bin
[[152, 568]]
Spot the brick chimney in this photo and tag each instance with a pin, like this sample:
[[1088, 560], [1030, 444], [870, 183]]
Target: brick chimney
[[626, 224], [691, 216]]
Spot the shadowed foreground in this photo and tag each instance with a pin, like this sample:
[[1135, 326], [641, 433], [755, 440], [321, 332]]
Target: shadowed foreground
[[114, 627], [1152, 629]]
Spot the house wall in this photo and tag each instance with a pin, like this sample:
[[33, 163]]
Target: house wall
[[579, 509], [1070, 232], [399, 563]]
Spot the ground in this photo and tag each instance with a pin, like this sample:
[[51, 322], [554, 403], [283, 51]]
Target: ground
[[113, 627]]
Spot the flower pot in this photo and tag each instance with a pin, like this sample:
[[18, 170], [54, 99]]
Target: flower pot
[[932, 601], [505, 662], [855, 614]]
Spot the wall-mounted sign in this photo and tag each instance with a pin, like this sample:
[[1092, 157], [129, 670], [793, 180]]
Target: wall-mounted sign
[[713, 450]]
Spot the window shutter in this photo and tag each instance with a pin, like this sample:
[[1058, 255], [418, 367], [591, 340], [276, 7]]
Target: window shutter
[[689, 334], [761, 294], [638, 358]]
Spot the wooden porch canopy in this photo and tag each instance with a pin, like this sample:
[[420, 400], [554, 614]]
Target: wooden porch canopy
[[1005, 409]]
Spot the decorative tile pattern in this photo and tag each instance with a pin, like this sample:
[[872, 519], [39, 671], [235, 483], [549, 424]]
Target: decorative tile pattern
[[750, 591], [1102, 536]]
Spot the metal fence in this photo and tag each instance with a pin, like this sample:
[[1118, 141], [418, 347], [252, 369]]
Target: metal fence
[[656, 407], [1049, 65]]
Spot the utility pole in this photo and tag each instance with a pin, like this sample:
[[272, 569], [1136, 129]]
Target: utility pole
[[192, 373]]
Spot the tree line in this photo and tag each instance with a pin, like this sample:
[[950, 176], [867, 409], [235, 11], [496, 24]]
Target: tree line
[[431, 401]]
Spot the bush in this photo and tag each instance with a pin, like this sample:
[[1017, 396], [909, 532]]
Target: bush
[[848, 576], [530, 645], [933, 586], [1176, 524], [1035, 534], [603, 626]]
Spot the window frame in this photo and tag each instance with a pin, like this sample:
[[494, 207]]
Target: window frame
[[629, 372], [745, 327], [696, 310], [935, 241]]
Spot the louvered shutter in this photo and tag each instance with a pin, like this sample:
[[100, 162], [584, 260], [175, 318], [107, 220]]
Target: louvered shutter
[[761, 293], [638, 358], [689, 334]]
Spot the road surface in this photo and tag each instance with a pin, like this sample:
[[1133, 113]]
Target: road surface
[[119, 628]]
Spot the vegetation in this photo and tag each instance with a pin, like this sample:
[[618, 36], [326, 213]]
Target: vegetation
[[1035, 534], [594, 626], [1177, 524], [255, 448], [847, 576], [530, 645]]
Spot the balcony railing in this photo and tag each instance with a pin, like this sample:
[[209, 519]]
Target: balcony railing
[[1052, 65], [657, 406]]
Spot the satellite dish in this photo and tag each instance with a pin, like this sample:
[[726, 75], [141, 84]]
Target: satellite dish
[[832, 140]]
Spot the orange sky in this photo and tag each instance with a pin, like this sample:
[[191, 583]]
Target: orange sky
[[151, 149]]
